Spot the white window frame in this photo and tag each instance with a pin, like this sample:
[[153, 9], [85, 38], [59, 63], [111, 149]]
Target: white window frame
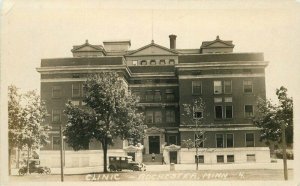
[[216, 112], [230, 87], [232, 140], [218, 86], [245, 110], [225, 109], [244, 83], [217, 141], [194, 82], [246, 138], [79, 93]]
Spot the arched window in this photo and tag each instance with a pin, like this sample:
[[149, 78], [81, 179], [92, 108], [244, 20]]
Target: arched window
[[171, 61], [152, 62], [162, 62], [143, 62]]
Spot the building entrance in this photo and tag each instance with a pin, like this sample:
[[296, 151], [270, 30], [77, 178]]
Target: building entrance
[[173, 157], [154, 145]]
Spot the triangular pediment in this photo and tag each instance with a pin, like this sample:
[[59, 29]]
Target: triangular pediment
[[154, 130], [152, 49], [87, 49], [217, 43]]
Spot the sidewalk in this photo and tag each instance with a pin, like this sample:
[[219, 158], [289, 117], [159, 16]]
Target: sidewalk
[[238, 166]]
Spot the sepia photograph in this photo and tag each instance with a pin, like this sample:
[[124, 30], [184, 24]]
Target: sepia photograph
[[149, 92]]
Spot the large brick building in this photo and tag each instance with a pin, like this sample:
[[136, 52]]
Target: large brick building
[[166, 78]]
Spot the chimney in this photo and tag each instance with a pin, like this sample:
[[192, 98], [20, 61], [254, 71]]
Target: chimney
[[172, 41]]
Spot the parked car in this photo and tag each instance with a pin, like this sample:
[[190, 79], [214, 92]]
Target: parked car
[[34, 168], [118, 163]]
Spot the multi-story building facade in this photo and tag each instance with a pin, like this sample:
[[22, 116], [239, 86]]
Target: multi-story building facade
[[166, 78]]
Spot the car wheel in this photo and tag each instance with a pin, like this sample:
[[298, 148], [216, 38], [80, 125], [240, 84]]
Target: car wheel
[[135, 169], [48, 170], [112, 168]]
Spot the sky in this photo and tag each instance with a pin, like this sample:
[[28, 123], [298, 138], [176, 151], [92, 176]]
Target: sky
[[32, 30]]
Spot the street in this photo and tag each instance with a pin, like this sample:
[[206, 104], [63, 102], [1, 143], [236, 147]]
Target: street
[[188, 175]]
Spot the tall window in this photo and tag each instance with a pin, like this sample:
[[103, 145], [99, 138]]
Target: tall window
[[157, 95], [228, 112], [227, 87], [248, 86], [75, 90], [149, 95], [56, 92], [218, 112], [249, 140], [56, 116], [55, 142], [217, 87], [170, 94], [229, 140], [248, 110], [196, 87], [149, 117], [170, 116], [158, 117], [219, 140]]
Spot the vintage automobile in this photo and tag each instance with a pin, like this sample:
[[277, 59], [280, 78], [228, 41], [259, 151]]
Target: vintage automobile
[[34, 168], [118, 163]]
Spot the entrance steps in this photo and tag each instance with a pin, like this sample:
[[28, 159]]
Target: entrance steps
[[147, 159]]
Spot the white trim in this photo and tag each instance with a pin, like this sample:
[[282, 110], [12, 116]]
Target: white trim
[[153, 85], [219, 76], [63, 80], [219, 129], [222, 64]]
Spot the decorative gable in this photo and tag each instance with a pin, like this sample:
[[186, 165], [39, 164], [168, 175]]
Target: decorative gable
[[152, 49], [88, 50], [216, 46]]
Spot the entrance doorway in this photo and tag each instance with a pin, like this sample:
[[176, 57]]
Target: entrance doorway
[[173, 157], [154, 145]]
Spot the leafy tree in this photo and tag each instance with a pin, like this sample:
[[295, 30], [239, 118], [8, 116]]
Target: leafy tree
[[110, 112], [15, 123], [271, 117], [25, 114], [193, 116]]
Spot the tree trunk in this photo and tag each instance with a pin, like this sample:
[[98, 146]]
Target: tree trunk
[[9, 161], [104, 145], [28, 151], [284, 152], [18, 159]]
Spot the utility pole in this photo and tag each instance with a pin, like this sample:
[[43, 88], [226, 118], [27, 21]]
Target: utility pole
[[284, 151], [196, 144], [61, 154]]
